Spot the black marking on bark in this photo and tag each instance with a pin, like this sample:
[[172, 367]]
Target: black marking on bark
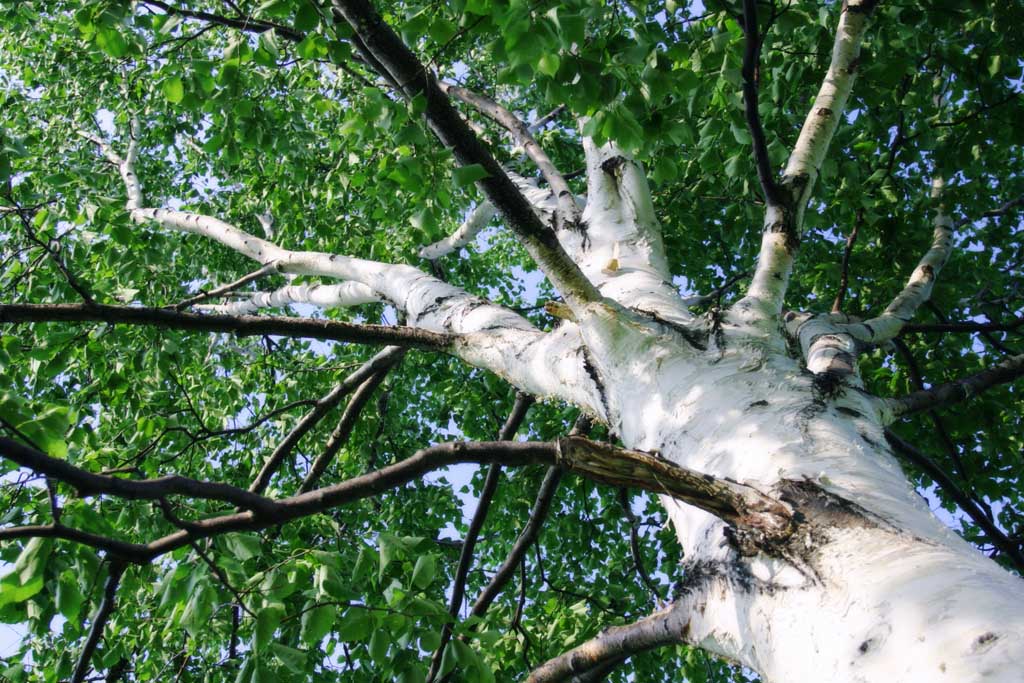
[[866, 645], [849, 411], [984, 641], [757, 404], [612, 164], [595, 376], [692, 337]]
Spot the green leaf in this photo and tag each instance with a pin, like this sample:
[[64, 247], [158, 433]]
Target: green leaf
[[292, 659], [317, 623], [173, 89], [355, 624], [469, 174], [307, 17], [548, 64], [423, 572], [267, 621]]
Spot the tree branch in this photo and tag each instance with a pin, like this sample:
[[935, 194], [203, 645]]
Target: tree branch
[[751, 59], [568, 212], [381, 42], [784, 223], [348, 420], [964, 501], [962, 389], [242, 325], [458, 592], [268, 269], [666, 627], [99, 620]]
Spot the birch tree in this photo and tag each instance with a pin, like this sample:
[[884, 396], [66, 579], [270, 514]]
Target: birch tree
[[505, 340]]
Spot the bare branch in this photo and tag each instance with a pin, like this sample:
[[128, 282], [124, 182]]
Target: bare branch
[[508, 431], [99, 620], [844, 275], [568, 214], [667, 627], [962, 389], [342, 294], [396, 60], [963, 327], [964, 501], [268, 269], [783, 223], [348, 420], [242, 325], [751, 67]]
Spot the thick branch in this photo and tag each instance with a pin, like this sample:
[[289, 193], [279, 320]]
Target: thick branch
[[783, 224], [962, 389], [402, 65], [667, 627], [326, 296], [242, 325], [919, 287]]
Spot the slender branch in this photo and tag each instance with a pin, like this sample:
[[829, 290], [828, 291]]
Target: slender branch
[[538, 514], [568, 212], [398, 61], [130, 552], [348, 421], [961, 389], [993, 213], [963, 327], [751, 66], [89, 484], [964, 501], [844, 276], [242, 325], [246, 24], [634, 545], [458, 593], [99, 620], [228, 288]]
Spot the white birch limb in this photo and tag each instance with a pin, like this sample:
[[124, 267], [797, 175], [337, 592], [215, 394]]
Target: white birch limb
[[783, 224], [919, 287], [326, 296], [495, 338]]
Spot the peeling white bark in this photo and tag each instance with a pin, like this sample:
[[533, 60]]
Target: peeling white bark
[[783, 224], [340, 295], [922, 280]]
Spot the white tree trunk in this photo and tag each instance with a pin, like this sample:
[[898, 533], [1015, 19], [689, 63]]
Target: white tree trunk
[[874, 588]]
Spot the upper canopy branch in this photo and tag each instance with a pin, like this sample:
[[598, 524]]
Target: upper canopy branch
[[568, 212], [783, 223], [398, 62]]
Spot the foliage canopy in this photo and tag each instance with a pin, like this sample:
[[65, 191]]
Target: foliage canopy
[[268, 109]]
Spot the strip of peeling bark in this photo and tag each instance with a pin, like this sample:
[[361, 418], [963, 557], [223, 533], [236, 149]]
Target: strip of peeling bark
[[404, 67], [958, 390], [242, 326], [782, 225]]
